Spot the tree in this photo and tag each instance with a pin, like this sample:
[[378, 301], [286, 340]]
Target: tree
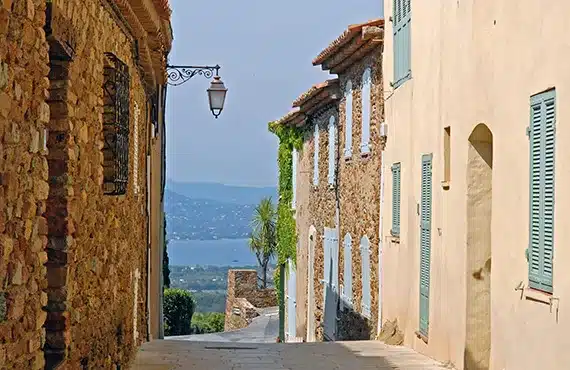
[[165, 268], [263, 238], [178, 310]]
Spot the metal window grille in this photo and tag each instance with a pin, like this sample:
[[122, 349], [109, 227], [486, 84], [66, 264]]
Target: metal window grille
[[115, 126]]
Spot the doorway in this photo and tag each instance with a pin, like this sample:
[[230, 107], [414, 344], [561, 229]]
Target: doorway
[[478, 254], [311, 286]]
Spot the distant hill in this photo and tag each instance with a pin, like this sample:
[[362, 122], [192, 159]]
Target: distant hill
[[222, 193], [199, 211]]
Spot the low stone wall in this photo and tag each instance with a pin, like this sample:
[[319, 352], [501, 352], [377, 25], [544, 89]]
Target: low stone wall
[[245, 299]]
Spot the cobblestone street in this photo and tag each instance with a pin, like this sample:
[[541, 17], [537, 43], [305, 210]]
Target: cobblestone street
[[179, 354]]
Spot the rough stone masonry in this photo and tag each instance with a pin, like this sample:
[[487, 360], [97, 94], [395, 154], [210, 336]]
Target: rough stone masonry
[[73, 259]]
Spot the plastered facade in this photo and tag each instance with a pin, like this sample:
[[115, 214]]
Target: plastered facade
[[474, 66]]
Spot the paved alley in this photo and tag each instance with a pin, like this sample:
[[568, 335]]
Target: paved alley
[[369, 355], [263, 329]]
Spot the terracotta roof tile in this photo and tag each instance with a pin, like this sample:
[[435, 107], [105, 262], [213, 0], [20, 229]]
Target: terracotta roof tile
[[350, 33], [290, 117], [314, 90]]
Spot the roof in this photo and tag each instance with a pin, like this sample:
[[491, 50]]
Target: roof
[[312, 101], [294, 117], [315, 90], [354, 43]]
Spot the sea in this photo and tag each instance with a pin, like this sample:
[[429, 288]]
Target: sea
[[221, 252]]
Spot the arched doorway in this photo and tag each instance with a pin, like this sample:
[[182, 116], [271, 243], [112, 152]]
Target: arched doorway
[[478, 254]]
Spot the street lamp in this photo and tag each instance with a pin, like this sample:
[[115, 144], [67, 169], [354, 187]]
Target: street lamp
[[177, 75]]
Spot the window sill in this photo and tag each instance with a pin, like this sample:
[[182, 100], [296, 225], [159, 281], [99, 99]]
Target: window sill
[[422, 337], [394, 239], [445, 185], [531, 294]]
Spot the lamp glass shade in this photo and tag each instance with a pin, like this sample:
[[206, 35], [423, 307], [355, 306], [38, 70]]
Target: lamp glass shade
[[217, 96]]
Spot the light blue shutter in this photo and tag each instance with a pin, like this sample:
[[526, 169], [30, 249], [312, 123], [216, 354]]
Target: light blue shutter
[[542, 152], [396, 186], [348, 114], [294, 178], [425, 242], [402, 40], [332, 146], [365, 256], [366, 82], [316, 156], [348, 268], [291, 300]]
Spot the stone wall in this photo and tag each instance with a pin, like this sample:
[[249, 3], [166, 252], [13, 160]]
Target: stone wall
[[322, 203], [23, 183], [97, 243], [359, 184], [244, 298]]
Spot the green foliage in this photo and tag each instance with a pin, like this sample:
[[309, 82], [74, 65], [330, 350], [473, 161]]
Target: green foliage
[[263, 239], [289, 138], [165, 268], [208, 322], [178, 310]]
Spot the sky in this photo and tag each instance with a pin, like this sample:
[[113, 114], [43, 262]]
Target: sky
[[265, 49]]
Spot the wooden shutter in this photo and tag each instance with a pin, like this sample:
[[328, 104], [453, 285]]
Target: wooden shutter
[[332, 146], [365, 140], [396, 186], [365, 256], [316, 156], [348, 119], [402, 40], [425, 242], [348, 268], [294, 178], [542, 135]]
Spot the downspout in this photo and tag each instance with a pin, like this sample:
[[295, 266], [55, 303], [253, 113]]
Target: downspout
[[381, 239], [148, 223], [161, 232], [337, 208]]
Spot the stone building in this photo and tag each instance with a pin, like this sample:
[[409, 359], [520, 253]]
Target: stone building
[[81, 174], [337, 186], [475, 105]]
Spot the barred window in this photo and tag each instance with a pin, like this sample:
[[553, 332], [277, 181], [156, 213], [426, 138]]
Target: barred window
[[115, 126]]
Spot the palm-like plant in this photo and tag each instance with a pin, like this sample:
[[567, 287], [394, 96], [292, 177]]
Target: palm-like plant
[[263, 238]]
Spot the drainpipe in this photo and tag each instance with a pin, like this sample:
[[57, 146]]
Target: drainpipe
[[380, 240]]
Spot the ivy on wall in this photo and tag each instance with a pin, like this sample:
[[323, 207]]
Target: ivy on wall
[[289, 138]]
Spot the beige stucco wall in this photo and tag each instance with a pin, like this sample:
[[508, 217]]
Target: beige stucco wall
[[477, 62]]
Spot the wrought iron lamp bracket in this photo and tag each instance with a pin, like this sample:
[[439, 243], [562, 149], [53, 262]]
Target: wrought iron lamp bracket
[[177, 75]]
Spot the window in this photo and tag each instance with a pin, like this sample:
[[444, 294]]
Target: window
[[347, 294], [425, 242], [348, 118], [396, 186], [365, 141], [332, 150], [446, 157], [365, 257], [115, 126], [402, 20], [295, 159], [542, 134], [316, 156]]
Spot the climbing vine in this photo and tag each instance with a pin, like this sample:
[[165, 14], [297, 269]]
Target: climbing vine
[[289, 138]]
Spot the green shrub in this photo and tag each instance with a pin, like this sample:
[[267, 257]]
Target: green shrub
[[178, 310], [208, 322]]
